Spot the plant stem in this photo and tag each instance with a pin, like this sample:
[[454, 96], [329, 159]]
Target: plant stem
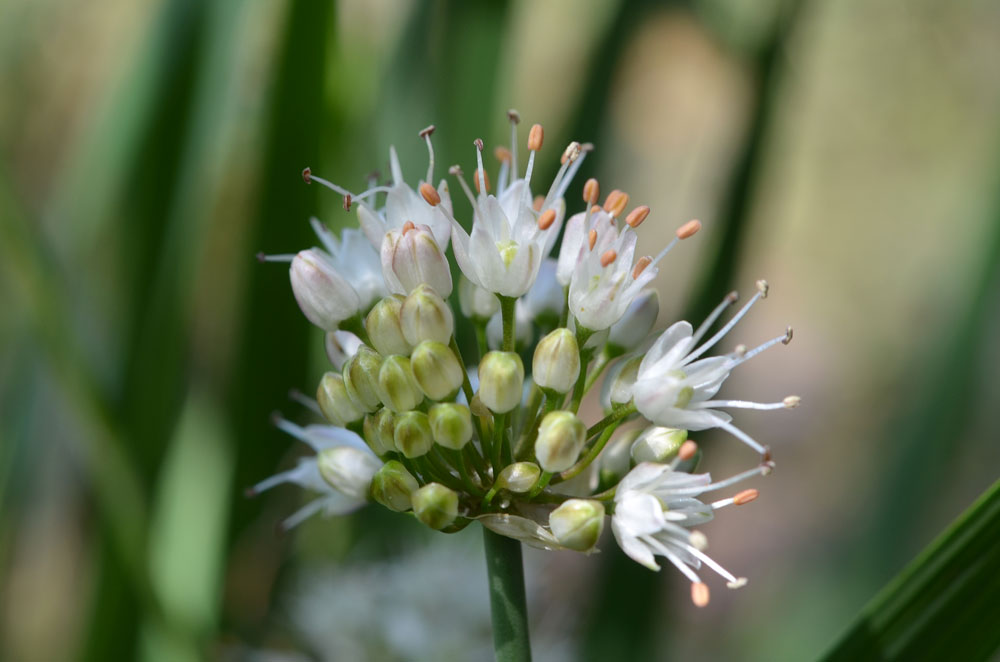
[[505, 571], [507, 316]]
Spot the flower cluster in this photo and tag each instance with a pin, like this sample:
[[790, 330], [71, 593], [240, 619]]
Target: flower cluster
[[420, 426]]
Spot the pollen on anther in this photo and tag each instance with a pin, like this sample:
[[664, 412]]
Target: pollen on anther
[[486, 176], [762, 287], [687, 450], [307, 175], [538, 202], [591, 191], [546, 220], [571, 153], [637, 216], [745, 497], [427, 131], [699, 594], [535, 137], [689, 229], [608, 257], [592, 238], [347, 202], [792, 401], [641, 265], [478, 142], [502, 154], [788, 336], [408, 226], [430, 194]]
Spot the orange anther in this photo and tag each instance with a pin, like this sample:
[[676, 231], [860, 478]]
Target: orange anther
[[746, 496], [347, 202], [546, 220], [502, 154], [641, 265], [408, 226], [688, 229], [608, 257], [486, 176], [616, 202], [637, 216], [592, 238], [699, 594], [430, 194], [687, 450], [591, 191], [535, 137], [538, 202]]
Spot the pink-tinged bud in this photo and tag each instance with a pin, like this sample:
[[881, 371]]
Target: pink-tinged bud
[[325, 297], [412, 257]]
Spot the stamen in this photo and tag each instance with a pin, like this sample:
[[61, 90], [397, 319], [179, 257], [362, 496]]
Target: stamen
[[297, 396], [710, 562], [788, 336], [608, 257], [347, 202], [301, 515], [485, 175], [739, 583], [426, 135], [637, 216], [456, 171], [741, 404], [762, 287], [792, 401], [482, 184], [535, 138], [740, 351], [641, 265], [284, 257], [762, 347], [571, 153], [724, 330], [409, 225], [591, 191], [744, 437], [308, 177], [592, 238], [270, 482], [430, 194], [294, 430], [546, 220], [616, 202], [502, 154], [539, 201], [745, 497], [515, 119], [306, 173], [689, 229], [698, 540], [699, 594], [729, 300], [687, 450]]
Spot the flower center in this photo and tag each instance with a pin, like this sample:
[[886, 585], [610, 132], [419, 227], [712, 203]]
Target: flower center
[[508, 251]]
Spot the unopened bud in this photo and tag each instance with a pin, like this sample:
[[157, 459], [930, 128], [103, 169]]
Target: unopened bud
[[561, 436], [340, 346], [426, 316], [577, 523], [361, 378], [476, 302], [501, 380], [378, 430], [412, 257], [435, 505], [412, 436], [519, 477], [451, 424], [436, 369], [637, 322], [384, 328], [348, 470], [556, 364], [393, 485], [658, 444], [334, 401], [325, 297], [397, 387]]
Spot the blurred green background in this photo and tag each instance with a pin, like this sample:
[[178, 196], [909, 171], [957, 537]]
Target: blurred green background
[[849, 152]]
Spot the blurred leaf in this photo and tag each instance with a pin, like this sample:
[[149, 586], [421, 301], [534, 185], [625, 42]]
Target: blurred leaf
[[943, 605]]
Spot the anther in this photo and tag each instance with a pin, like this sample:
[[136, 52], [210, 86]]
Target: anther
[[732, 297], [591, 191], [689, 229], [546, 220], [762, 287], [586, 147], [262, 257], [641, 265], [502, 154], [478, 142], [687, 450], [347, 202], [430, 194], [592, 238], [616, 202], [455, 171], [307, 175], [740, 351], [739, 583], [699, 594], [637, 216], [514, 116], [427, 131], [698, 540], [788, 336], [608, 257], [745, 497], [486, 176], [535, 137], [766, 464], [409, 225], [595, 209], [571, 153], [538, 202], [792, 401]]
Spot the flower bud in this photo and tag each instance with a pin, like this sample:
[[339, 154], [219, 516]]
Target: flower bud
[[384, 328], [451, 424], [556, 364], [412, 436], [577, 523], [348, 470], [393, 485], [379, 428], [412, 257], [325, 297], [501, 379], [436, 369], [426, 316], [435, 505], [617, 388], [340, 346], [519, 477], [476, 302], [657, 444], [361, 378], [334, 401], [560, 439], [397, 387], [637, 322]]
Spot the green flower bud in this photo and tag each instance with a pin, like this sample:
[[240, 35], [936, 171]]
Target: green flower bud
[[426, 316], [451, 424], [435, 505], [436, 369], [556, 364], [560, 439], [348, 470], [501, 380], [657, 444], [577, 523], [361, 378], [476, 302], [379, 428], [334, 401], [384, 328], [412, 436], [397, 387], [519, 477], [393, 485]]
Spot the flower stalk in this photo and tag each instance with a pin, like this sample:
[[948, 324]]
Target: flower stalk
[[508, 606]]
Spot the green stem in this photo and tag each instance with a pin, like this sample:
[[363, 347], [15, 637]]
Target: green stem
[[600, 364], [508, 607], [617, 415], [507, 315], [499, 424], [543, 480], [481, 339], [582, 336]]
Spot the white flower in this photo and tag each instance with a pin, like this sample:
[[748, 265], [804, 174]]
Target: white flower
[[674, 387], [306, 473], [654, 503], [412, 257], [341, 346], [544, 299], [356, 261], [325, 297], [638, 320]]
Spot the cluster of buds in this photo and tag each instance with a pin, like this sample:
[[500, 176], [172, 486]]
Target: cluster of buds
[[420, 426]]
